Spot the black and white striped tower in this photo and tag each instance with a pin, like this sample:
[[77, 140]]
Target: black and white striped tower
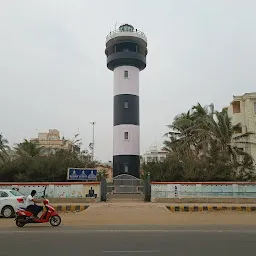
[[126, 50]]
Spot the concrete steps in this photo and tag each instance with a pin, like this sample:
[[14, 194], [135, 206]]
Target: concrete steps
[[125, 197]]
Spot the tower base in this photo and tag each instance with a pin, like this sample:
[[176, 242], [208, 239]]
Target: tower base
[[126, 164]]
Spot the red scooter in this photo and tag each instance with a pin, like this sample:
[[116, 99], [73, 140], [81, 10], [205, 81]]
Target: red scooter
[[50, 215]]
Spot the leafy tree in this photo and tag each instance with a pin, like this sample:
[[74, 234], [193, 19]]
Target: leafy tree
[[31, 164], [3, 149], [102, 174]]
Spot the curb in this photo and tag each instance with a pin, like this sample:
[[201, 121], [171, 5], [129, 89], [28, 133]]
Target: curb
[[204, 208], [71, 208]]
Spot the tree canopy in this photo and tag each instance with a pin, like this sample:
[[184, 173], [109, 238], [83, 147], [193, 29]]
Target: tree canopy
[[203, 145], [3, 149], [29, 163]]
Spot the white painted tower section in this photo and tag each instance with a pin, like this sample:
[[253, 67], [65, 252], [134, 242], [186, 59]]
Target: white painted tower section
[[130, 146], [130, 85]]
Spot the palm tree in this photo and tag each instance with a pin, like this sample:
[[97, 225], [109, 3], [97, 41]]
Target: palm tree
[[200, 111], [202, 129], [179, 131], [189, 131], [28, 149], [224, 135]]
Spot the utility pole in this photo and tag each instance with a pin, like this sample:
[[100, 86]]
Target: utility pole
[[93, 140]]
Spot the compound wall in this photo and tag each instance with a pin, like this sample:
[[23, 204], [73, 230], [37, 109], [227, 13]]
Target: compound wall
[[180, 190], [56, 189]]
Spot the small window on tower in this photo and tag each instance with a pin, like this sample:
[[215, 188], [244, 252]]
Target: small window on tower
[[126, 168], [126, 104], [126, 74], [126, 135]]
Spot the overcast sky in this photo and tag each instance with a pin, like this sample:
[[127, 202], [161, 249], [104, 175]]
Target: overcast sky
[[53, 69]]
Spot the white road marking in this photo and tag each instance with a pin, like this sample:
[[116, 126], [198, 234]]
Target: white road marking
[[61, 231], [146, 251]]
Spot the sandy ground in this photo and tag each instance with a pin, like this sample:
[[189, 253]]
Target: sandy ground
[[156, 214], [147, 214]]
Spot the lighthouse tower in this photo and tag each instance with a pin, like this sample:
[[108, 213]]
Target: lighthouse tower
[[126, 51]]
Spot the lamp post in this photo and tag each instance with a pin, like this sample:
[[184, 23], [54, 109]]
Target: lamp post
[[93, 140]]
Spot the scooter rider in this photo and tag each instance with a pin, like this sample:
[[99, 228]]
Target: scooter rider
[[31, 204]]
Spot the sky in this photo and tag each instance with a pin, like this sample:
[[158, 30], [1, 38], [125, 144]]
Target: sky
[[53, 72]]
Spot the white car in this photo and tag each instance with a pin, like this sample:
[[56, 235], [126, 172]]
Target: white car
[[10, 200]]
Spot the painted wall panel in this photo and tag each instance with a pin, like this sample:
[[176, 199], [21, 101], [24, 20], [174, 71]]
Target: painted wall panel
[[213, 190]]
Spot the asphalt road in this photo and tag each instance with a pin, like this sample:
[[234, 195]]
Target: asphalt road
[[132, 240]]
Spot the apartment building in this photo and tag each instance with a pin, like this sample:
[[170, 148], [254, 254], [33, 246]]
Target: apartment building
[[153, 154], [52, 141], [243, 110]]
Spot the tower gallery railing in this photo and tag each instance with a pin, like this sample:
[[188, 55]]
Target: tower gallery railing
[[117, 31]]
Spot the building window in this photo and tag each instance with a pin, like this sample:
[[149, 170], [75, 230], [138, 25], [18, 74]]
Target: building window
[[126, 168], [236, 107], [126, 104], [126, 74], [149, 159], [254, 107], [237, 130], [126, 135]]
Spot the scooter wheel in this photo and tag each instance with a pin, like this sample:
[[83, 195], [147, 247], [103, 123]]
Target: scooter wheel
[[55, 221], [19, 223]]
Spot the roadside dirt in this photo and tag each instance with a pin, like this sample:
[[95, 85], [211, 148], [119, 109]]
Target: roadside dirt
[[147, 214], [153, 214]]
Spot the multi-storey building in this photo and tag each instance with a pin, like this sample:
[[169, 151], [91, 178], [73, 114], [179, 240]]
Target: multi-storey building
[[153, 155], [243, 110], [52, 141]]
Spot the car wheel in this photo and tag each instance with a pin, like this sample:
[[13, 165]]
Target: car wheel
[[8, 212]]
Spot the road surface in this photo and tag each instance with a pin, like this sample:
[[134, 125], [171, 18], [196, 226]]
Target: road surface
[[179, 240]]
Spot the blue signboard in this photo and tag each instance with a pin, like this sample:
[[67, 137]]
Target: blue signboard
[[82, 174]]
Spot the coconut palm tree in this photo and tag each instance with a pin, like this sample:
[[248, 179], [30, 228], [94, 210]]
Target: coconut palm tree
[[178, 134], [224, 135], [28, 149], [201, 129]]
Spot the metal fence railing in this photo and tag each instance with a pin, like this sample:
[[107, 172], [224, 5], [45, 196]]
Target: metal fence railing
[[116, 32], [126, 186]]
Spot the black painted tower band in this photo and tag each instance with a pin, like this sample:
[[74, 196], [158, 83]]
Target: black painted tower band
[[126, 109], [120, 161]]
